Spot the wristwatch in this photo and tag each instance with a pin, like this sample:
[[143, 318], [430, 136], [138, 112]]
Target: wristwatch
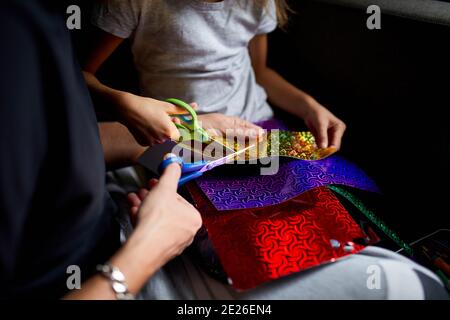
[[117, 279]]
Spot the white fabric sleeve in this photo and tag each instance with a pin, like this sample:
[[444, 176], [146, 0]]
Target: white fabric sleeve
[[117, 17], [268, 22]]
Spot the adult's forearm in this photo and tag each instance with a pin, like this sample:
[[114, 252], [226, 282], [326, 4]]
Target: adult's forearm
[[137, 260], [120, 148]]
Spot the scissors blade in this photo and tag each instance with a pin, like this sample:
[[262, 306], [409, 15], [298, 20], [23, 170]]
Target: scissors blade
[[225, 160]]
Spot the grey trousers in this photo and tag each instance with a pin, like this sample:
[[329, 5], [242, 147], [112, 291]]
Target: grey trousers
[[349, 278], [375, 273]]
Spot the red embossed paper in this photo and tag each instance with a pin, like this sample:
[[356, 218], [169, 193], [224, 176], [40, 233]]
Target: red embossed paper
[[263, 244]]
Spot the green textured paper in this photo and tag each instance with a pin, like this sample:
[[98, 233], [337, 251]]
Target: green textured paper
[[372, 217]]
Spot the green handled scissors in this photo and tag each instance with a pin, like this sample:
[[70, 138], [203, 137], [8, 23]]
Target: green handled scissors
[[191, 128]]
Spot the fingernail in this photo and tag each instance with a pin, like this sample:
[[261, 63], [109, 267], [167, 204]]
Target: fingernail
[[170, 156]]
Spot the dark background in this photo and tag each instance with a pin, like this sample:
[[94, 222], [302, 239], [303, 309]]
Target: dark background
[[391, 87]]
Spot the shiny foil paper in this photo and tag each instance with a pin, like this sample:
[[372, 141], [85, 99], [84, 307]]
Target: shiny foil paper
[[255, 246], [230, 192], [372, 217], [273, 124], [278, 143]]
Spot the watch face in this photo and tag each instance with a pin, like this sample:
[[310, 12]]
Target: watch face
[[117, 276], [119, 288]]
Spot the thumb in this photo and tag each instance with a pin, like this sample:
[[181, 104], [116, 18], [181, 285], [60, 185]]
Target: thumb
[[174, 132], [170, 178], [322, 137]]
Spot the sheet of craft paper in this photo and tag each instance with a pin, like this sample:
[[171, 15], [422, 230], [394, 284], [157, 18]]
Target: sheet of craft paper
[[273, 124], [278, 143], [255, 246], [229, 192], [288, 143]]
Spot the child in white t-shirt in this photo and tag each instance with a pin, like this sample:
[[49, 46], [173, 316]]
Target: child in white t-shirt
[[210, 52], [214, 53]]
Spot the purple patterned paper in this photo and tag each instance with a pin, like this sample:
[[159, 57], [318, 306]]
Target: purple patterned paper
[[293, 179], [272, 124]]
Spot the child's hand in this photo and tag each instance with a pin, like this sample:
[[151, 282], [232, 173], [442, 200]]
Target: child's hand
[[325, 126], [218, 125], [148, 119]]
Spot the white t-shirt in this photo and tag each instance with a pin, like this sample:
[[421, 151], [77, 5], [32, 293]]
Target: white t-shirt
[[194, 50]]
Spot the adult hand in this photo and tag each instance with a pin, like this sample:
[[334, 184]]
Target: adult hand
[[164, 216]]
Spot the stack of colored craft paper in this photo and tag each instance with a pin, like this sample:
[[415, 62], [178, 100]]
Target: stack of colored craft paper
[[293, 178], [255, 246], [263, 227]]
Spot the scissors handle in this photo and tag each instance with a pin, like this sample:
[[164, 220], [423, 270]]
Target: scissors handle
[[192, 126], [190, 171], [167, 162]]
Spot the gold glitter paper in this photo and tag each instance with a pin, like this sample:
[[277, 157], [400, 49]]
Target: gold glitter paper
[[297, 145]]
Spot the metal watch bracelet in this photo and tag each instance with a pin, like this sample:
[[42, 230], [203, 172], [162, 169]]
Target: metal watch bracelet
[[117, 280]]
